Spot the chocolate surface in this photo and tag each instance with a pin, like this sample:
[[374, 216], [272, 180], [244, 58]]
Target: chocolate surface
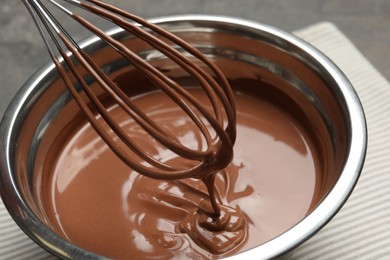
[[95, 201], [159, 179]]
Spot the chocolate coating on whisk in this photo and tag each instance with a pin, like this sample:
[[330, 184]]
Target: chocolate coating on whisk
[[219, 151], [217, 128]]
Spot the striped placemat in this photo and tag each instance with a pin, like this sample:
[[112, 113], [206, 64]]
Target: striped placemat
[[361, 230]]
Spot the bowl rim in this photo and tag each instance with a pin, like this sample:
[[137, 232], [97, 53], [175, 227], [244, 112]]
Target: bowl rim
[[293, 237]]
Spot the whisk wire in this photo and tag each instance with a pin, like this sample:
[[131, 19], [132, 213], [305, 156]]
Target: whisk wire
[[39, 22]]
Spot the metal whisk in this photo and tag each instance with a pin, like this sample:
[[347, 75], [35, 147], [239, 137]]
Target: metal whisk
[[221, 121]]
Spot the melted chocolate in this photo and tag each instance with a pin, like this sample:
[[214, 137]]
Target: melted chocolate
[[95, 201]]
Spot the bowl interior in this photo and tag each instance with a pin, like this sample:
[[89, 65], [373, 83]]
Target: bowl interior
[[292, 73]]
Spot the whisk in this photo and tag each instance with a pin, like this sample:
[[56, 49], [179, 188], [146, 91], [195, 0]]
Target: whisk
[[216, 126]]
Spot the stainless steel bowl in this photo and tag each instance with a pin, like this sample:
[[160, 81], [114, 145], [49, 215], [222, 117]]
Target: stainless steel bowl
[[307, 76]]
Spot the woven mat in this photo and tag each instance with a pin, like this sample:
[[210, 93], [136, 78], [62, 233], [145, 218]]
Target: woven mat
[[361, 230]]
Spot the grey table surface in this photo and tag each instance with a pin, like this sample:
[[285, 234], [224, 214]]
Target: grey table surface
[[365, 22]]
